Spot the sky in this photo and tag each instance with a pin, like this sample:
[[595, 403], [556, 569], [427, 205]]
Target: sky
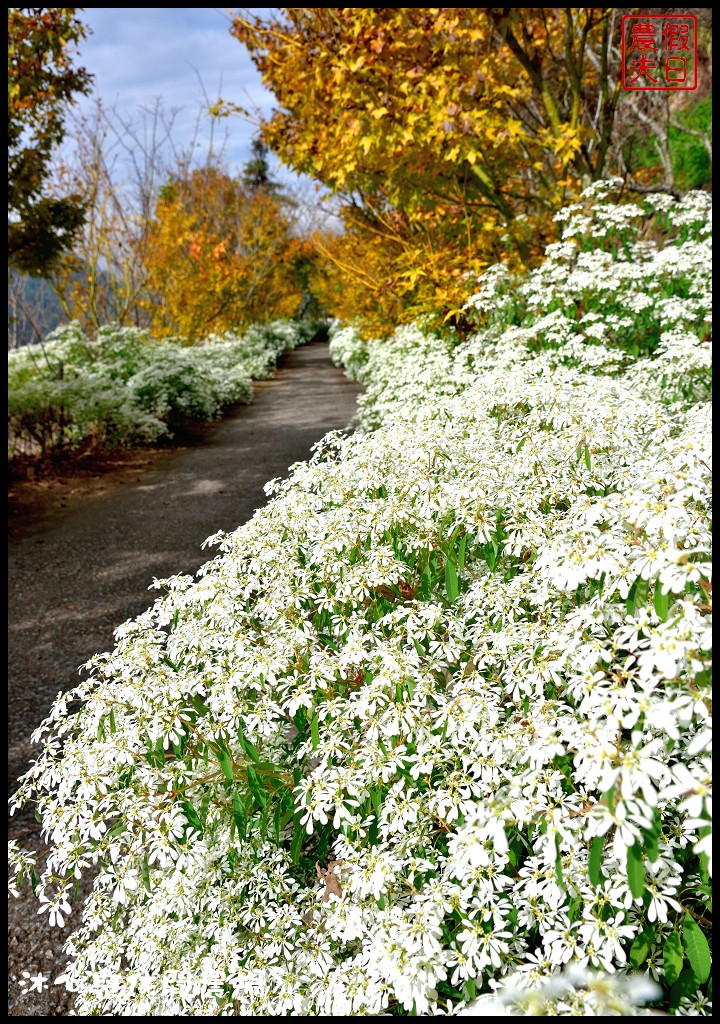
[[140, 54]]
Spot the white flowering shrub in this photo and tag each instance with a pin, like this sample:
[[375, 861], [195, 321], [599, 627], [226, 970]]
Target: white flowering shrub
[[67, 392], [348, 350], [263, 344], [430, 735], [121, 387]]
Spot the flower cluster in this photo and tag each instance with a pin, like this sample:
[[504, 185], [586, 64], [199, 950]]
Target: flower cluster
[[434, 725]]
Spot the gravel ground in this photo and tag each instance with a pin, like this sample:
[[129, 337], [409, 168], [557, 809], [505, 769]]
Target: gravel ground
[[82, 552]]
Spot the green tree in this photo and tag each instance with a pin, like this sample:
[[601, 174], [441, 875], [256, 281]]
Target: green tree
[[256, 175], [42, 81]]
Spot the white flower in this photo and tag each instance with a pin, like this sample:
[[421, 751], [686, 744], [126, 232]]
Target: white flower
[[56, 909], [694, 786]]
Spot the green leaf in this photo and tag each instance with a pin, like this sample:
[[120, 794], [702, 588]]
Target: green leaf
[[640, 949], [425, 583], [239, 815], [558, 865], [200, 706], [248, 747], [205, 807], [276, 822], [636, 870], [192, 816], [651, 839], [264, 820], [574, 910], [286, 819], [697, 949], [315, 732], [452, 584], [226, 764], [373, 831], [673, 956], [587, 458], [608, 797], [267, 768], [297, 841], [594, 861], [256, 787], [661, 601], [470, 989], [146, 873], [686, 985], [642, 589], [462, 545]]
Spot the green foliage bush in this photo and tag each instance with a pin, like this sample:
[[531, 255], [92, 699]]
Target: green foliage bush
[[690, 160]]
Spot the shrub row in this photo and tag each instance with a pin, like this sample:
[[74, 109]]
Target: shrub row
[[122, 387]]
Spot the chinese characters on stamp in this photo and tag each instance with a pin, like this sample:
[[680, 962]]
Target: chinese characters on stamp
[[659, 51]]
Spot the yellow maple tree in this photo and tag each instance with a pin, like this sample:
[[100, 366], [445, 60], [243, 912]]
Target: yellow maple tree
[[450, 134], [219, 257]]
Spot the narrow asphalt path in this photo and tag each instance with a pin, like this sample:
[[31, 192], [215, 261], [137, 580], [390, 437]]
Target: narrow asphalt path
[[78, 575]]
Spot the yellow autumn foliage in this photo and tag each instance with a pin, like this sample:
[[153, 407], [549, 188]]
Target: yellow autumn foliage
[[219, 257], [451, 135]]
